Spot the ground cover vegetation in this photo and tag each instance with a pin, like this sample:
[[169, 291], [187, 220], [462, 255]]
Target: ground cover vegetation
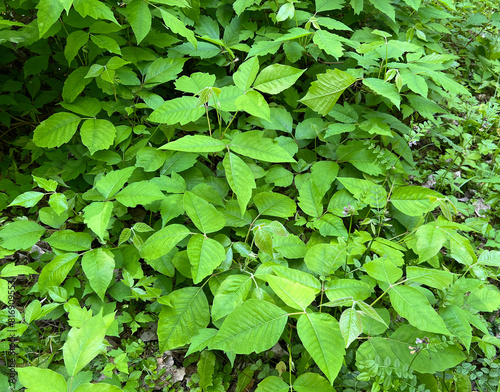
[[249, 195]]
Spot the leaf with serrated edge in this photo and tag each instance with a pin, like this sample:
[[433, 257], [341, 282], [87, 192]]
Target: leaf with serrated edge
[[324, 92], [179, 323]]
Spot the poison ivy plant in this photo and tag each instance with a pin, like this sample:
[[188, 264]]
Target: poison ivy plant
[[241, 175]]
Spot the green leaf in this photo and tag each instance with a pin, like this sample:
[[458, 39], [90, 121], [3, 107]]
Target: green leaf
[[362, 158], [48, 185], [205, 255], [240, 179], [253, 103], [396, 346], [84, 344], [75, 41], [343, 288], [10, 270], [294, 294], [74, 84], [201, 341], [290, 247], [97, 134], [203, 214], [385, 7], [141, 192], [272, 384], [261, 48], [330, 225], [252, 144], [320, 334], [178, 110], [489, 257], [324, 93], [58, 202], [112, 182], [430, 277], [286, 11], [350, 325], [98, 265], [139, 17], [27, 199], [232, 293], [163, 70], [90, 387], [177, 27], [411, 304], [386, 89], [276, 78], [485, 299], [56, 130], [70, 241], [457, 322], [246, 73], [206, 368], [255, 326], [163, 241], [329, 43], [328, 5], [54, 273], [41, 380], [107, 43], [181, 322], [94, 9], [369, 311], [430, 239], [48, 14], [312, 382], [241, 5], [264, 241], [310, 199], [150, 158], [50, 218], [383, 270], [20, 235], [195, 82], [414, 200], [416, 83], [274, 204], [365, 191], [325, 259], [195, 143]]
